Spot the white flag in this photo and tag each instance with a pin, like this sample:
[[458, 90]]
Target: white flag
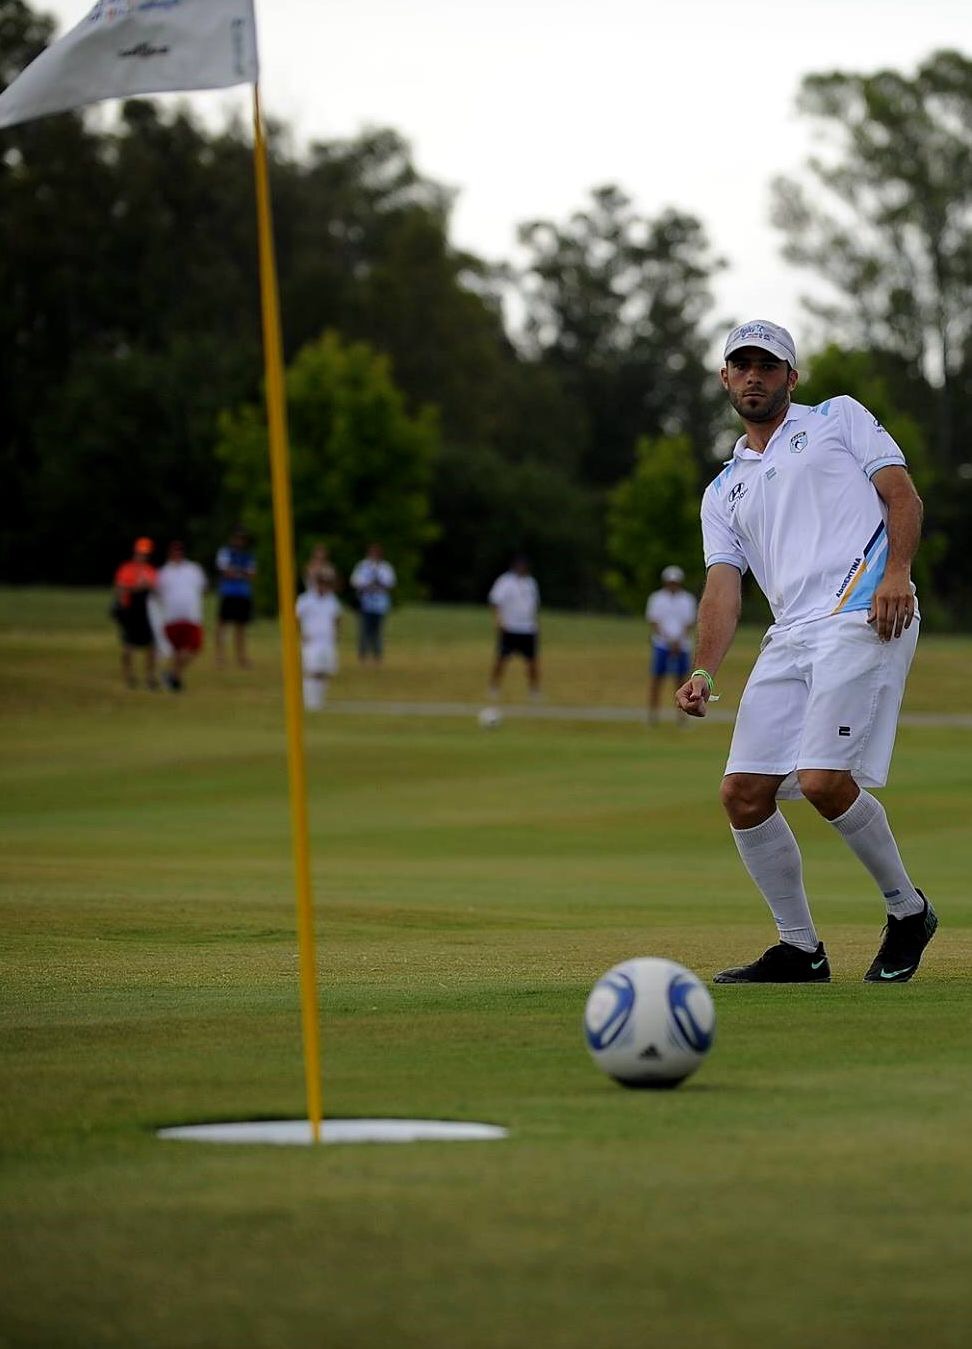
[[127, 47]]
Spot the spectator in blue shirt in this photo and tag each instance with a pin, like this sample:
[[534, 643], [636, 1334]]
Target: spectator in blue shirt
[[236, 567]]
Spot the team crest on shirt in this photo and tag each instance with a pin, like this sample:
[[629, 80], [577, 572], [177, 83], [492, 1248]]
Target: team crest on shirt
[[798, 443]]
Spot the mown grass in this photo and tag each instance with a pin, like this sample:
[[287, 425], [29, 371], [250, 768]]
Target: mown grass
[[809, 1186]]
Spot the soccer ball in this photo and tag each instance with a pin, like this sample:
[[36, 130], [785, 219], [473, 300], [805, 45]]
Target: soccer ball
[[649, 1023], [490, 718]]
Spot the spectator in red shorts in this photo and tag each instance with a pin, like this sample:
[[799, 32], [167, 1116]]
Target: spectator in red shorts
[[180, 586]]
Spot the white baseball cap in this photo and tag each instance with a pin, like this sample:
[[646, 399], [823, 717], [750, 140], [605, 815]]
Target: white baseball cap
[[673, 574], [765, 335]]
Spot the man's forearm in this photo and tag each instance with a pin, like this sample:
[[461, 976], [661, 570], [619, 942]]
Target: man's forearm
[[716, 627], [904, 532]]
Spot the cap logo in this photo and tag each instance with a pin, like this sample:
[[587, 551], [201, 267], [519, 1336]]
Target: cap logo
[[755, 330], [761, 333]]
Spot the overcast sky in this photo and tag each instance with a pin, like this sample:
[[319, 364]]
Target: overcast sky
[[524, 105]]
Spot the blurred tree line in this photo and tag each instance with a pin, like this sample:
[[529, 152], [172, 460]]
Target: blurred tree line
[[130, 359]]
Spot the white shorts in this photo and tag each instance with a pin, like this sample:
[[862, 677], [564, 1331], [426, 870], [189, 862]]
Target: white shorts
[[319, 658], [824, 694]]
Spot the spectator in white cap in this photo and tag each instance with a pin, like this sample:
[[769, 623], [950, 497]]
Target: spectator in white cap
[[671, 617], [817, 502]]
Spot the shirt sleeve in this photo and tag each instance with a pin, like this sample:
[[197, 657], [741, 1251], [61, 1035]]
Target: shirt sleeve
[[866, 438], [495, 595], [720, 542], [651, 608], [222, 559]]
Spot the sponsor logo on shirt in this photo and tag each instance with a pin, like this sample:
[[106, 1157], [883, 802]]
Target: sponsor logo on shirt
[[736, 495], [798, 443]]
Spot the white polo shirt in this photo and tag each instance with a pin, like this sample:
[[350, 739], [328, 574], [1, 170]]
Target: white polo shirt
[[180, 587], [804, 515], [318, 615], [517, 599], [674, 613]]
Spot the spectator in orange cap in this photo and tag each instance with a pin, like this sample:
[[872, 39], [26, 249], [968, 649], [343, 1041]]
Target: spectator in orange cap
[[134, 584]]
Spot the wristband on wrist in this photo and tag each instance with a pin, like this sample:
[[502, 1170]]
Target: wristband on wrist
[[704, 674]]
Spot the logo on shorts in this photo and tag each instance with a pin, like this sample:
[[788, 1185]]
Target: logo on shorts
[[736, 495], [798, 443], [843, 730]]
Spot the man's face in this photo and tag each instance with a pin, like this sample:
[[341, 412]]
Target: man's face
[[758, 384]]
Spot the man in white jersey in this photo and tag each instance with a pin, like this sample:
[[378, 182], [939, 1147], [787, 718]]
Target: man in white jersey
[[319, 618], [515, 600], [818, 504]]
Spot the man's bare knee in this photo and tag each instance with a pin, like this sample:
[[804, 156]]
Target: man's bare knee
[[748, 798], [830, 791]]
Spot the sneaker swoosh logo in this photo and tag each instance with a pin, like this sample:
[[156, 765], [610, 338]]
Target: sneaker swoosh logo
[[893, 974], [815, 964]]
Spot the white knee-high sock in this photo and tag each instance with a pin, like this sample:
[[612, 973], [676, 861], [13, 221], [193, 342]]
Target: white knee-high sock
[[867, 833], [771, 855], [313, 694]]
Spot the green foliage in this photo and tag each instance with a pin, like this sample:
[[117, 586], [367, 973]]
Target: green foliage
[[23, 36], [887, 218], [653, 520], [491, 509], [360, 465], [616, 303]]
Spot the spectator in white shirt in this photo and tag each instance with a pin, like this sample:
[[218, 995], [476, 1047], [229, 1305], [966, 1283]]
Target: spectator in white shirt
[[180, 586], [671, 616], [373, 581], [319, 617], [515, 601]]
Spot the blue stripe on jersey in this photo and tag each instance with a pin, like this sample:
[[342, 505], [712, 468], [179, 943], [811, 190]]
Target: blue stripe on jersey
[[719, 482], [872, 541], [874, 566]]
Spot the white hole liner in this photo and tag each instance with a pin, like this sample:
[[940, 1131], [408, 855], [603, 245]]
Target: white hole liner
[[297, 1132]]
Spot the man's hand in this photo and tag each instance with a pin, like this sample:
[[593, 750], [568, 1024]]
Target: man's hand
[[693, 696], [893, 605]]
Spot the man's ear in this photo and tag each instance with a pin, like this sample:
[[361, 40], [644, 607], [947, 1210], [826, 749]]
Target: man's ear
[[792, 379], [724, 376]]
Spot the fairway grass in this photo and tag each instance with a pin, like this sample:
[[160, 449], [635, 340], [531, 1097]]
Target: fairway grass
[[809, 1187]]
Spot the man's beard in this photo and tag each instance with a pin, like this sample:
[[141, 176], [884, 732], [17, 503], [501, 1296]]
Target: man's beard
[[773, 408]]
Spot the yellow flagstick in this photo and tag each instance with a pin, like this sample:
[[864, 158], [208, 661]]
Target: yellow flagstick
[[286, 593]]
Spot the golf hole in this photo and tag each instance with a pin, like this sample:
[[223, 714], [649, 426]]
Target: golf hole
[[297, 1132]]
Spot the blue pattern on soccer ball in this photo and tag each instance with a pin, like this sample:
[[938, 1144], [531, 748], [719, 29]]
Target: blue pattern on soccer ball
[[623, 992], [695, 1036]]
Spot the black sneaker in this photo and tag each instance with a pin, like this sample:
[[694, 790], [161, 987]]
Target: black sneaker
[[900, 952], [781, 964]]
